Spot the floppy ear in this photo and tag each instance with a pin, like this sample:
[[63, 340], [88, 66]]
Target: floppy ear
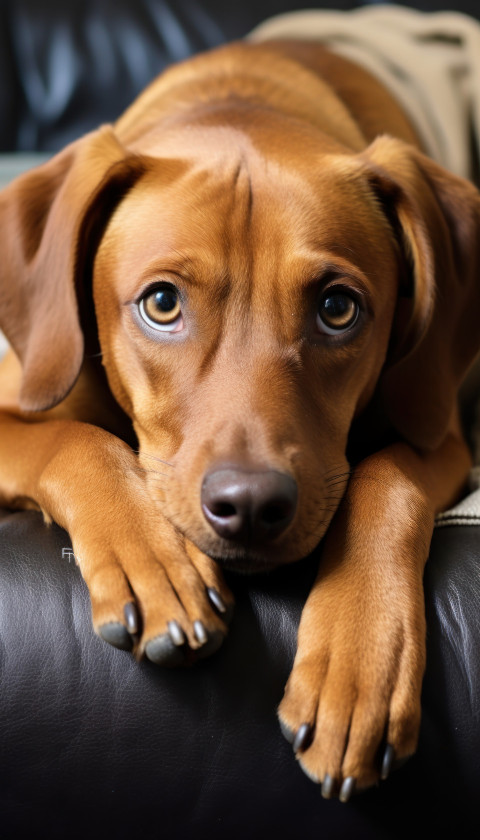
[[47, 218], [436, 333]]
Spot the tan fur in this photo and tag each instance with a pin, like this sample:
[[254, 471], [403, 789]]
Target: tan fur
[[249, 177]]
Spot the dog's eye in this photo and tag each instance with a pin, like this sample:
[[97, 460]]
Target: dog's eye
[[337, 312], [161, 309]]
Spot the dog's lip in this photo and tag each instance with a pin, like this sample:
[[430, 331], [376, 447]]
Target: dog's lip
[[243, 560], [246, 565], [247, 559]]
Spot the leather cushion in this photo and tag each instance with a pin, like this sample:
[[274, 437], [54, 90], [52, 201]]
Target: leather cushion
[[92, 742]]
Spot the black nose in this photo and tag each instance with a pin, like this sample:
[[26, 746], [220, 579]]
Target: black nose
[[248, 507]]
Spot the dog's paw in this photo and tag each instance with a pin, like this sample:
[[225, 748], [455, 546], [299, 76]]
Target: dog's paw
[[158, 597], [351, 708]]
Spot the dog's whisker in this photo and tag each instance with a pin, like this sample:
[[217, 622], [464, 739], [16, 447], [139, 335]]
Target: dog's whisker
[[338, 470], [337, 485], [341, 474], [339, 466], [153, 457], [159, 479], [338, 476], [334, 478], [154, 471]]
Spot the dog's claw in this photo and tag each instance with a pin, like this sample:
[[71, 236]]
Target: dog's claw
[[327, 786], [117, 635], [176, 633], [131, 617], [163, 651], [348, 787], [387, 762], [217, 601], [201, 634], [303, 738]]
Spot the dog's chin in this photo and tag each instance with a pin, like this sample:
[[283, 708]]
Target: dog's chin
[[256, 557], [245, 563], [248, 561]]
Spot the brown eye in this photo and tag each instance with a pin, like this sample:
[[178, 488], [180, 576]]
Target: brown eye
[[337, 312], [161, 309]]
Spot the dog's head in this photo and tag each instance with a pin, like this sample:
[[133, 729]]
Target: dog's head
[[253, 293]]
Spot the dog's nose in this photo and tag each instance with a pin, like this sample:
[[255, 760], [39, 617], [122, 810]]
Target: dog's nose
[[248, 506]]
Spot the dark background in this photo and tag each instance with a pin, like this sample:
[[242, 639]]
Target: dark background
[[68, 65]]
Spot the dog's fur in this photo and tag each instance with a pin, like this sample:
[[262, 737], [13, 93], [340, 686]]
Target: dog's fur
[[257, 180]]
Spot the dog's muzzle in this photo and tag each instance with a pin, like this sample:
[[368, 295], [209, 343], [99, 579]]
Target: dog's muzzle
[[249, 508]]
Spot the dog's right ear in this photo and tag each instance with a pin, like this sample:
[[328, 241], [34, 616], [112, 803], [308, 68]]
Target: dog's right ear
[[46, 219], [435, 220]]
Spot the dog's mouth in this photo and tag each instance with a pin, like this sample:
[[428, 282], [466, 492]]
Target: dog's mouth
[[256, 555], [248, 559], [245, 562]]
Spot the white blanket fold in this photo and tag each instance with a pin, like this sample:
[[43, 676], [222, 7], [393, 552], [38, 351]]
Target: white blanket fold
[[429, 61]]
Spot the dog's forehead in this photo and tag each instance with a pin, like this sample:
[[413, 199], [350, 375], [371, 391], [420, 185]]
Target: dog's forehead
[[216, 196], [302, 162]]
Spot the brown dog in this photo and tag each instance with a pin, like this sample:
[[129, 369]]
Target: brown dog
[[282, 290]]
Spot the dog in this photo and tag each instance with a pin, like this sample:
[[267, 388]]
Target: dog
[[239, 319]]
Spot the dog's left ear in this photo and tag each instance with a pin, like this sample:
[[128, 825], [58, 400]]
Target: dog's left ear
[[436, 334], [49, 219]]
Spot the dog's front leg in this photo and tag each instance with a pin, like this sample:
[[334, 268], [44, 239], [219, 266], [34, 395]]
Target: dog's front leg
[[352, 703], [150, 590]]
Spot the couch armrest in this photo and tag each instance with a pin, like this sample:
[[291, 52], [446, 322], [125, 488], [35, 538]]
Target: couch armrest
[[95, 744]]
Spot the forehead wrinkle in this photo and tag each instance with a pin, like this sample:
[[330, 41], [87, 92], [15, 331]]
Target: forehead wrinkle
[[242, 181]]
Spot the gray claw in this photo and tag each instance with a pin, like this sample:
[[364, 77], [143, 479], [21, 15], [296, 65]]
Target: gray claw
[[225, 610], [131, 618], [176, 633], [387, 762], [217, 600], [201, 634], [348, 787], [303, 738], [327, 787]]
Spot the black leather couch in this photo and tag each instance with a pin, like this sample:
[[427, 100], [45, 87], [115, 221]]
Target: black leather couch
[[93, 744]]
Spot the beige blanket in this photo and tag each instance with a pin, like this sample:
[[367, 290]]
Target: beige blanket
[[430, 63]]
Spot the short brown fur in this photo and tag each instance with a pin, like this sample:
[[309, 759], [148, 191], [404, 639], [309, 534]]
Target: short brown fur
[[251, 178]]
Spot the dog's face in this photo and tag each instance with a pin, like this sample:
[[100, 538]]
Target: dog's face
[[246, 279], [244, 295]]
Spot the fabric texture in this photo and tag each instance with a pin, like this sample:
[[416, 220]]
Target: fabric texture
[[429, 62], [467, 512]]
